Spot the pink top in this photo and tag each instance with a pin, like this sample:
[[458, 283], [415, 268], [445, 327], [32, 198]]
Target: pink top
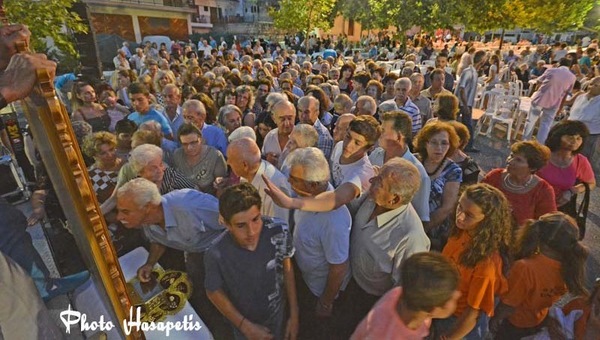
[[562, 179], [555, 84], [383, 321]]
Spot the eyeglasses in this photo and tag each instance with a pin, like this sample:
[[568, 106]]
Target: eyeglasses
[[438, 144]]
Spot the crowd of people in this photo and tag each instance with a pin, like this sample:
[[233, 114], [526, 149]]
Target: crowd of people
[[336, 198]]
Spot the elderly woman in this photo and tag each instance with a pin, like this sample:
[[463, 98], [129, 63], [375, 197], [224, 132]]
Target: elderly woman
[[302, 136], [434, 144], [567, 169], [197, 161], [529, 195], [85, 108], [101, 146], [244, 100], [230, 118], [162, 79]]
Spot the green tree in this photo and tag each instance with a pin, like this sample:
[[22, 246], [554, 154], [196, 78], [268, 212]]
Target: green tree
[[549, 16], [47, 19], [293, 16]]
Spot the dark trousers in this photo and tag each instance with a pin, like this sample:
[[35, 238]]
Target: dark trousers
[[508, 331], [356, 306], [211, 316], [466, 116]]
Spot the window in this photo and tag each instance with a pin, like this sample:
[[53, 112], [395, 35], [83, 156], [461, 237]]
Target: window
[[350, 27], [205, 8]]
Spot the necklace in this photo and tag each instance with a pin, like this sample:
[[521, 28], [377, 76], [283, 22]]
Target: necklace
[[510, 185], [438, 168]]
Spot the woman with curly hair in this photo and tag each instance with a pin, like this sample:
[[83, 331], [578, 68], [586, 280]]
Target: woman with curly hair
[[529, 195], [434, 144], [244, 100], [550, 261], [101, 146], [162, 79], [478, 238]]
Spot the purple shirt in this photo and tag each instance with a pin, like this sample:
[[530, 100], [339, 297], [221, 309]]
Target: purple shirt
[[555, 84]]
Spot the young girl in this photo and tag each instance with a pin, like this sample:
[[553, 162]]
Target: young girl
[[549, 262], [481, 231], [115, 111]]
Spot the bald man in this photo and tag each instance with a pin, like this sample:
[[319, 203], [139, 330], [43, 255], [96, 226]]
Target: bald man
[[284, 116], [244, 158], [308, 108]]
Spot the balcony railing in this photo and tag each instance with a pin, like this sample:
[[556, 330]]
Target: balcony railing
[[201, 19]]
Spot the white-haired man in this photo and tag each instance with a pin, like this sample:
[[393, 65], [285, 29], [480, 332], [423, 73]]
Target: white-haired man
[[365, 105], [187, 220], [402, 102], [172, 102], [195, 112], [284, 116], [308, 110], [245, 161], [302, 136], [322, 247]]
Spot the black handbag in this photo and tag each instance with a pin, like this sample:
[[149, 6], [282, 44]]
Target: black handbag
[[583, 211]]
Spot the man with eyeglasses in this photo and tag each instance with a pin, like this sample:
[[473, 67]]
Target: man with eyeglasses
[[194, 112]]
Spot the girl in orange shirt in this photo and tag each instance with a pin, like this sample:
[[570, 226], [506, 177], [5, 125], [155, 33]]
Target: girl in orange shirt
[[550, 262], [482, 230]]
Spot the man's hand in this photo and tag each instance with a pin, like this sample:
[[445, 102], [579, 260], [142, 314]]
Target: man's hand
[[273, 158], [253, 331], [17, 81], [37, 214], [144, 272], [9, 37], [323, 311], [278, 196]]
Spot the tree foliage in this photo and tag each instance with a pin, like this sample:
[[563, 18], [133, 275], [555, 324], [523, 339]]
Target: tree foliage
[[47, 19], [549, 16], [293, 16]]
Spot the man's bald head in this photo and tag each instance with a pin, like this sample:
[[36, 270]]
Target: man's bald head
[[243, 155]]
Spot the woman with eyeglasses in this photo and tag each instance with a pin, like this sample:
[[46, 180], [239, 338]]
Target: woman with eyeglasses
[[434, 143], [529, 195]]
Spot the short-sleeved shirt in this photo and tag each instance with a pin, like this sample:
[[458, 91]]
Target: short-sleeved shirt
[[424, 105], [271, 143], [555, 83], [252, 280], [421, 199], [211, 165], [450, 173], [478, 285], [269, 208], [468, 82], [563, 179], [585, 109], [358, 173], [534, 284], [321, 239], [530, 205], [103, 181], [380, 245], [383, 321], [191, 221], [325, 142], [154, 115], [410, 108]]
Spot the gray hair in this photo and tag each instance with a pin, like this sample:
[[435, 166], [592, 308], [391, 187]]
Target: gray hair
[[242, 132], [171, 87], [142, 155], [404, 176], [247, 150], [151, 125], [404, 80], [313, 161], [274, 98], [195, 105], [369, 104], [141, 191], [387, 107], [225, 110], [308, 135]]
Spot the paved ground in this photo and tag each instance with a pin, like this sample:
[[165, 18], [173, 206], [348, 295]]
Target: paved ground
[[493, 155]]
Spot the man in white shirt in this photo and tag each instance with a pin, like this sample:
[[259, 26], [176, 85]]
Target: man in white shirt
[[587, 110], [284, 116]]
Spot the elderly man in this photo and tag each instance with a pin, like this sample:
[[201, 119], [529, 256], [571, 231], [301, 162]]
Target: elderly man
[[365, 105], [322, 242], [284, 116], [423, 103], [555, 85], [172, 101], [187, 220], [249, 272], [386, 230], [437, 78], [466, 89], [195, 112], [402, 102], [586, 109], [201, 164], [245, 161], [308, 108], [441, 61], [396, 126], [341, 127]]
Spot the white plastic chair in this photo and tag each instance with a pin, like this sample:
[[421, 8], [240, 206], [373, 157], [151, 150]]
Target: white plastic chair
[[487, 103], [513, 89], [507, 109]]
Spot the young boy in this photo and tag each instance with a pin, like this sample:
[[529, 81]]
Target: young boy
[[249, 269], [428, 291]]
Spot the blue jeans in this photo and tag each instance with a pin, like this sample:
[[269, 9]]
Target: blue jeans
[[466, 114]]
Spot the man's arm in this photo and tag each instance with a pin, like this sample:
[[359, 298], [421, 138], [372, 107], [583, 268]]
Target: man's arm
[[156, 251], [249, 329], [291, 329], [335, 278], [17, 80], [325, 201], [38, 200]]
